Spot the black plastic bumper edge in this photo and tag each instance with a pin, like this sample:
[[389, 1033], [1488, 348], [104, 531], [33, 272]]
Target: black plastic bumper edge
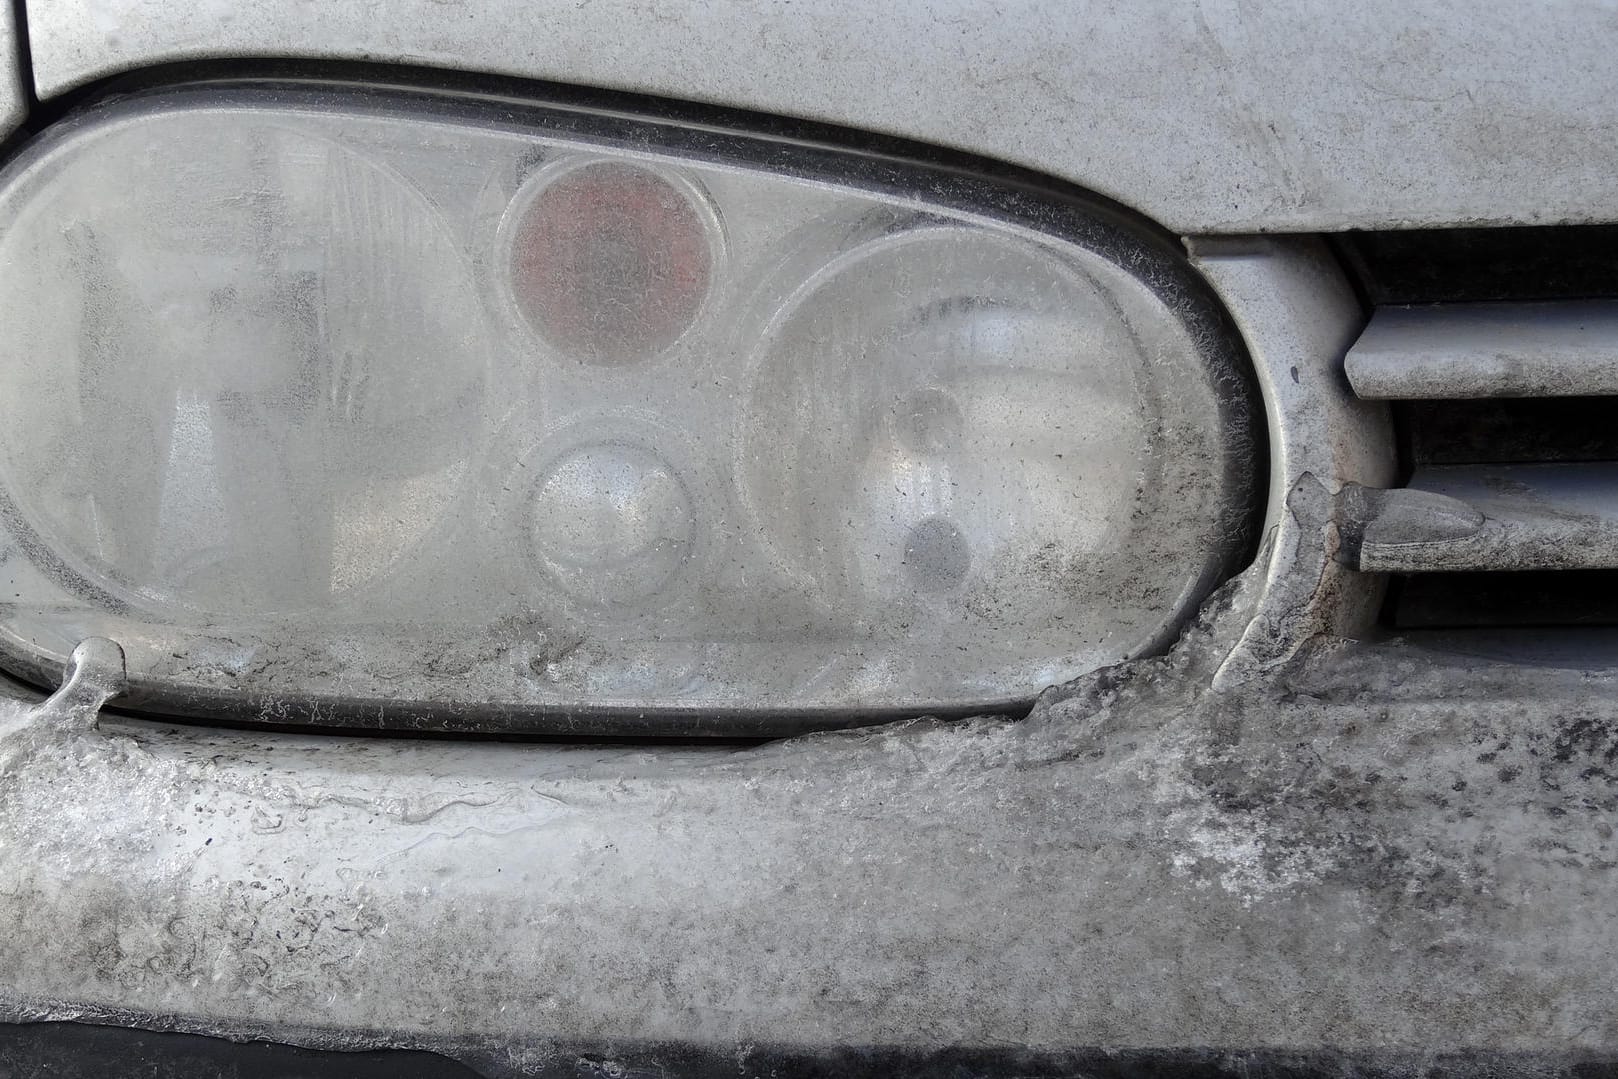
[[62, 1049]]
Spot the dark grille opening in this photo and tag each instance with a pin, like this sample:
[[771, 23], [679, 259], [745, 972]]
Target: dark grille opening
[[1556, 262], [1507, 431], [1520, 600]]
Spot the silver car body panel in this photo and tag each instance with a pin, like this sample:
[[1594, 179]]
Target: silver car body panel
[[13, 95], [1272, 836], [1213, 116]]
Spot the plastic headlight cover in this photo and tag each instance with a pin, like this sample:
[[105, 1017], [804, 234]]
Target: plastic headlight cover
[[384, 408]]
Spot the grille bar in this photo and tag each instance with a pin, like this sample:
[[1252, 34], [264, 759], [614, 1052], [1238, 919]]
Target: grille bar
[[1461, 351], [1495, 517]]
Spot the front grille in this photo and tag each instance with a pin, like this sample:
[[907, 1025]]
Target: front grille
[[1508, 513]]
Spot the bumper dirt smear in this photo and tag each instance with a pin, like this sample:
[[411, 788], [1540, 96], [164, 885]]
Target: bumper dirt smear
[[1142, 862]]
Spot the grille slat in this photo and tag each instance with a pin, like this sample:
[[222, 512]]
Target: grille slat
[[1496, 517], [1497, 350], [1468, 351]]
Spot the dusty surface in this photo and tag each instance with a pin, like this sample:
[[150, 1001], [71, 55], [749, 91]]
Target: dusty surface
[[1216, 116], [1140, 863]]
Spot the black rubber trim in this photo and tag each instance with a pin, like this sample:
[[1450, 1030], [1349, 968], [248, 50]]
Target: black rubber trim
[[76, 1049], [79, 1049]]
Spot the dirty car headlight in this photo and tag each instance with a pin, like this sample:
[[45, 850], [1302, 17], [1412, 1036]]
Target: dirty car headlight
[[388, 408]]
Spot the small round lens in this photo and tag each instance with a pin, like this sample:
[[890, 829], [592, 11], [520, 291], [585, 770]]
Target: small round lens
[[611, 262], [612, 522]]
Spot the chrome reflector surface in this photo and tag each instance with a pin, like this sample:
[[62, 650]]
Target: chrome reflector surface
[[381, 408]]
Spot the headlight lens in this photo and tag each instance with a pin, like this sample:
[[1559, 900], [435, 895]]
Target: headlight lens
[[390, 409]]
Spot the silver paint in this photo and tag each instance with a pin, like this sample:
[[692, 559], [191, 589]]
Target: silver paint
[[1298, 315], [1213, 116]]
